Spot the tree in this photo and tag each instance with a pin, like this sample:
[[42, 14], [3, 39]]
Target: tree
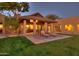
[[53, 17], [14, 7], [12, 22]]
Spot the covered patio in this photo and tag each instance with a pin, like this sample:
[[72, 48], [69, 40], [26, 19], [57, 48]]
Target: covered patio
[[32, 27], [35, 24]]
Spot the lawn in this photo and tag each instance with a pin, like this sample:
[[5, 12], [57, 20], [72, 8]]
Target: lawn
[[19, 46]]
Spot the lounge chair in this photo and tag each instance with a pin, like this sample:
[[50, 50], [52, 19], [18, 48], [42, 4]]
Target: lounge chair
[[52, 34], [44, 34]]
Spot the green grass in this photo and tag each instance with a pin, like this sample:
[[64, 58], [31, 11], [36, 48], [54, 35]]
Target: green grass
[[19, 46]]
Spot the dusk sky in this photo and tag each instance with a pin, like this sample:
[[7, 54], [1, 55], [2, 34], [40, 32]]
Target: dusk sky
[[62, 9]]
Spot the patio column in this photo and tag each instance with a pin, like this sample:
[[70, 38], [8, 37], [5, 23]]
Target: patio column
[[46, 26], [34, 27], [24, 27], [52, 28], [3, 30]]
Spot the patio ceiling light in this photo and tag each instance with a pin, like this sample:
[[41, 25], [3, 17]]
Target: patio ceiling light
[[31, 20], [10, 27], [36, 21]]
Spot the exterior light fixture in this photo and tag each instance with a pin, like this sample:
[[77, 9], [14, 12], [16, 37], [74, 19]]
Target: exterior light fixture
[[31, 20], [36, 21], [10, 27]]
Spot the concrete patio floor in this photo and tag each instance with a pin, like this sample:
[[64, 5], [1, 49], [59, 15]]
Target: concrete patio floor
[[41, 39]]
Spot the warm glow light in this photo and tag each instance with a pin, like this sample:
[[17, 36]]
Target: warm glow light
[[1, 26], [69, 27], [36, 27], [27, 26], [31, 20], [78, 27], [36, 21], [31, 26], [10, 27], [49, 29], [39, 27]]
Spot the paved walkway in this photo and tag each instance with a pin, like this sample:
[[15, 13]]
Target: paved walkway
[[40, 39]]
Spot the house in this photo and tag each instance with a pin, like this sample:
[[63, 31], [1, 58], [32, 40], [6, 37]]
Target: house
[[70, 25], [35, 23], [30, 24]]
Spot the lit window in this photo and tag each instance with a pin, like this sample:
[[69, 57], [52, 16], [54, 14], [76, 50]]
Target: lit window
[[49, 29], [78, 27], [69, 27], [1, 26], [31, 20], [39, 27], [31, 26], [27, 26]]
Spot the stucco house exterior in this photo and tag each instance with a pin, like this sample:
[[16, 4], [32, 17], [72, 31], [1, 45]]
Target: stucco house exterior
[[70, 25]]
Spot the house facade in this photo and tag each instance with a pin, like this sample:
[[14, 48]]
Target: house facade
[[35, 23], [31, 24], [70, 25]]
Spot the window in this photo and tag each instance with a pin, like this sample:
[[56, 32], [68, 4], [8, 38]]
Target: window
[[68, 27], [1, 28], [31, 20], [31, 26], [49, 29], [78, 27]]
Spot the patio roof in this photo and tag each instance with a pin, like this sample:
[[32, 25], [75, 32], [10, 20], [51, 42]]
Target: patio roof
[[38, 16]]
